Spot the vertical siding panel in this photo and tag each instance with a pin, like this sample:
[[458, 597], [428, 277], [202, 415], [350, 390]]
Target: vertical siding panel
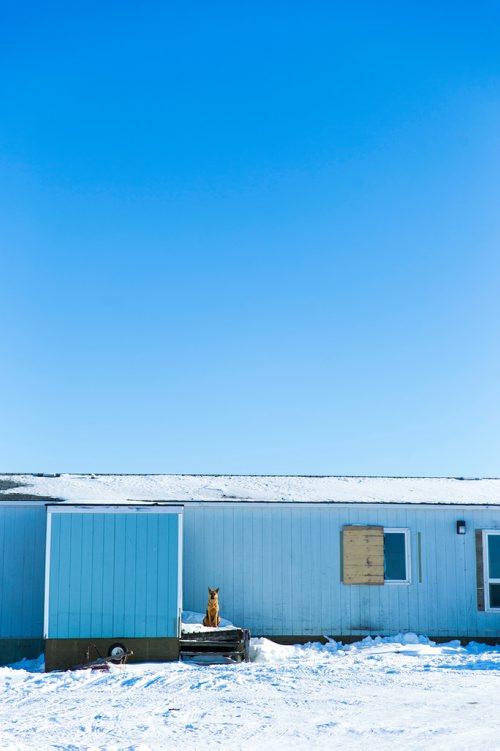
[[297, 622], [33, 625], [423, 585], [311, 576], [173, 550], [441, 574], [74, 574], [204, 573], [54, 576], [463, 606], [332, 551], [86, 580], [141, 576], [403, 616], [429, 574], [456, 575], [164, 574], [423, 590], [57, 567], [269, 552], [187, 575], [276, 545], [4, 631], [445, 573], [247, 565], [108, 561], [25, 589], [7, 586], [239, 541], [119, 584], [250, 571], [453, 573], [65, 525], [413, 522], [151, 555], [39, 572], [301, 604], [193, 552], [199, 590], [97, 575], [318, 583], [441, 568], [227, 565], [344, 589], [307, 568], [254, 578], [27, 582], [325, 571], [13, 565], [129, 575], [472, 522], [286, 571]]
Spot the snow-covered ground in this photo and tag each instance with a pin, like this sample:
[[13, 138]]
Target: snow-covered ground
[[400, 692]]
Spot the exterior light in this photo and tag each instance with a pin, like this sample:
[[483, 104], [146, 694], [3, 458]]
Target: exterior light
[[461, 528]]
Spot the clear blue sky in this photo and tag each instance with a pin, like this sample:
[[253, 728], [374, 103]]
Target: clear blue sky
[[250, 237]]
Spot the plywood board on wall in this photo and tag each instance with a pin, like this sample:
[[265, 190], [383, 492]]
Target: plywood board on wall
[[363, 552]]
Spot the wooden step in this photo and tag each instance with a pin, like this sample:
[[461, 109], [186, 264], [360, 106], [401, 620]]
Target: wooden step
[[228, 645]]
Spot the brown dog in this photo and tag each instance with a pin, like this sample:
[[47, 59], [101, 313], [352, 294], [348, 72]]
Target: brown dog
[[212, 617]]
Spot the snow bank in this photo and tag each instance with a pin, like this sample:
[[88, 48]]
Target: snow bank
[[31, 666], [266, 651]]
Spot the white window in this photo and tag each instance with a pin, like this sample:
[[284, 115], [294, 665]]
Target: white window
[[397, 556], [491, 558]]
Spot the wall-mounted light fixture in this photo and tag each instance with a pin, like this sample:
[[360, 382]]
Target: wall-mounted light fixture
[[460, 528]]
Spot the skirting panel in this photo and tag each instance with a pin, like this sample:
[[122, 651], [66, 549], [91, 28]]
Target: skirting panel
[[349, 639], [13, 650], [64, 654]]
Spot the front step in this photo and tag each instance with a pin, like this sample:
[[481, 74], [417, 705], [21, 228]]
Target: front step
[[215, 646]]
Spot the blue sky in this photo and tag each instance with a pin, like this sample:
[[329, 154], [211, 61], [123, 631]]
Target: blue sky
[[250, 237]]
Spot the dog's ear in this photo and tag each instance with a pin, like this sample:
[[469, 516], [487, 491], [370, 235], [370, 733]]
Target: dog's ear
[[217, 590], [209, 590]]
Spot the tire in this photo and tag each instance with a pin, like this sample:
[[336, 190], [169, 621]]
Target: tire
[[117, 651]]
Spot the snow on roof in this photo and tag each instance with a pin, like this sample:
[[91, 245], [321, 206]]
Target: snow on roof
[[278, 488]]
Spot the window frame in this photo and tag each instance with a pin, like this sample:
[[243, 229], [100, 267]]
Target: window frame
[[486, 570], [406, 532]]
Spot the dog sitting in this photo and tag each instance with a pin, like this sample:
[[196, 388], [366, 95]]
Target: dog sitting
[[212, 617]]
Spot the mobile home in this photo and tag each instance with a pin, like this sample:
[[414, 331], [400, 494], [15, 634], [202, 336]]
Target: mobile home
[[110, 559]]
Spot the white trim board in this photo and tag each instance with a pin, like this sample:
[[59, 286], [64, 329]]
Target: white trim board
[[48, 540], [10, 503], [487, 579], [117, 509], [179, 571], [423, 506], [407, 533]]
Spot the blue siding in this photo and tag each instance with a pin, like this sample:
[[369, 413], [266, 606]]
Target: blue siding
[[113, 575], [22, 565], [279, 569]]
